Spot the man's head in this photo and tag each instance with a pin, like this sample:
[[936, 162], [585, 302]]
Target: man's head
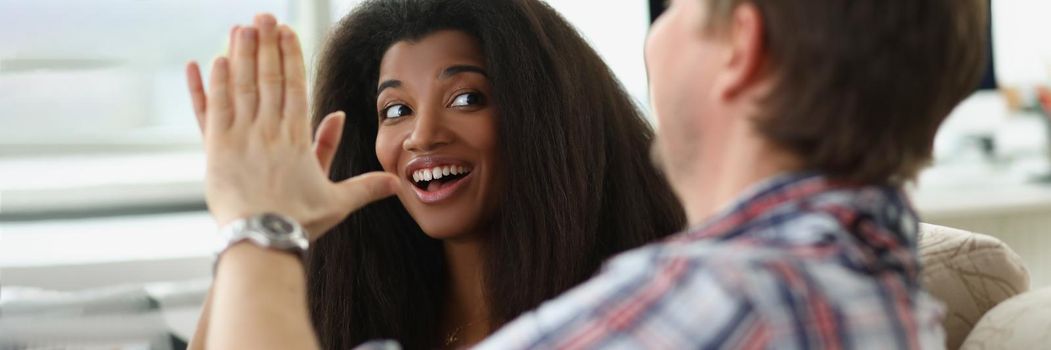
[[853, 89]]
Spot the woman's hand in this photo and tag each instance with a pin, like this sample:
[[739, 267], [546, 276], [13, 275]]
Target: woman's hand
[[257, 136]]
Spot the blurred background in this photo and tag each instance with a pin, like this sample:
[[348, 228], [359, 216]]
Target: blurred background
[[104, 238]]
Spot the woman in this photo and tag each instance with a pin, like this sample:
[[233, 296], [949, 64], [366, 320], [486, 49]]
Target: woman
[[523, 166]]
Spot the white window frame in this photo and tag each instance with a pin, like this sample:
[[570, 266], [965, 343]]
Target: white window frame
[[88, 175]]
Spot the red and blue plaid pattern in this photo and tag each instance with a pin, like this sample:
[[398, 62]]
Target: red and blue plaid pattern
[[800, 262]]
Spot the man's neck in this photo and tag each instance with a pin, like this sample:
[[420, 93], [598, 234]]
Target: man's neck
[[730, 163]]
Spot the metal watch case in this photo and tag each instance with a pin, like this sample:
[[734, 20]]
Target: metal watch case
[[268, 230]]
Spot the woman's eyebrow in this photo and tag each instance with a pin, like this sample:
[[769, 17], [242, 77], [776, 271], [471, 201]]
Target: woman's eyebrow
[[457, 69], [445, 74], [388, 84]]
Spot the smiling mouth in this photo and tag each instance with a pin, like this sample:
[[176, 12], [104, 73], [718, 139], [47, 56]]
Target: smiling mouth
[[440, 177]]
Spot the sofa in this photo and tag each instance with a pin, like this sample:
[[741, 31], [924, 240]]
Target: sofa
[[985, 288]]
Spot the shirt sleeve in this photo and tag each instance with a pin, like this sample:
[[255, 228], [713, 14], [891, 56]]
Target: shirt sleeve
[[637, 301]]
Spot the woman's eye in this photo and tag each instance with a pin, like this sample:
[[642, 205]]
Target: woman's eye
[[396, 111], [467, 99]]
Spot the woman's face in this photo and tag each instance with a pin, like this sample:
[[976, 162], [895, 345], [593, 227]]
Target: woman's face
[[437, 131]]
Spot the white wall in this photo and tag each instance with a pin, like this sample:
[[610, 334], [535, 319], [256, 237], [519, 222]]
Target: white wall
[[617, 30], [1021, 41]]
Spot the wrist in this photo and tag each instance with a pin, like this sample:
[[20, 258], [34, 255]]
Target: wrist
[[246, 258], [275, 233]]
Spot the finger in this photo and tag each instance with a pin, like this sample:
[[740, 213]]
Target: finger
[[233, 39], [235, 31], [295, 105], [219, 112], [326, 142], [243, 66], [271, 80], [361, 190], [196, 85]]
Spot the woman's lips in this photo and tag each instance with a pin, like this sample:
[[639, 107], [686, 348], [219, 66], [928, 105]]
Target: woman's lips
[[436, 178], [441, 190]]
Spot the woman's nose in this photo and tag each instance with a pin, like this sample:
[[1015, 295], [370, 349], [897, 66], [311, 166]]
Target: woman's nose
[[429, 132]]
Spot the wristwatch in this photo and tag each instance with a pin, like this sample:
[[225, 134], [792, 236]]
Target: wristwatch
[[268, 230]]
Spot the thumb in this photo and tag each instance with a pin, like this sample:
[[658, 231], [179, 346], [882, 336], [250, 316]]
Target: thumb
[[361, 190], [327, 138]]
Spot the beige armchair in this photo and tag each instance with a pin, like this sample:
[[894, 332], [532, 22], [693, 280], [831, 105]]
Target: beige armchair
[[983, 284]]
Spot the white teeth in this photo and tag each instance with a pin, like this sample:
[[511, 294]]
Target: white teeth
[[438, 173]]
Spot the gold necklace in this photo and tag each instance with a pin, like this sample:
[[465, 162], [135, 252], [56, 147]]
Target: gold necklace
[[454, 336]]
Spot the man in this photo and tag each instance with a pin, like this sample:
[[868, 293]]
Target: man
[[786, 128]]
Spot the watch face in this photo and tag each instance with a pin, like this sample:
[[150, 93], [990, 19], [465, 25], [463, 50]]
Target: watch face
[[276, 225]]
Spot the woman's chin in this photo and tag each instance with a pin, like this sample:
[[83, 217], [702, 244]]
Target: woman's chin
[[446, 232], [445, 235]]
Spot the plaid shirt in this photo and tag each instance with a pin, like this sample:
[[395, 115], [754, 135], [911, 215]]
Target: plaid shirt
[[799, 263]]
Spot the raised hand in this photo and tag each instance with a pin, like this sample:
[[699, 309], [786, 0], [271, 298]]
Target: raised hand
[[254, 118]]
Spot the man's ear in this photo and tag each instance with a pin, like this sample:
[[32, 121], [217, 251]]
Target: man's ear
[[746, 53]]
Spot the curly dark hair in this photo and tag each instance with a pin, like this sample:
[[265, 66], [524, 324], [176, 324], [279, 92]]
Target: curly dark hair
[[581, 185]]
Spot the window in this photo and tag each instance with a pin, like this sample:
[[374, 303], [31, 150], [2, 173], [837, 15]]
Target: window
[[94, 114], [107, 75]]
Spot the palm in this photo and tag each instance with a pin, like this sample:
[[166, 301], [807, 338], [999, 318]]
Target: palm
[[257, 136]]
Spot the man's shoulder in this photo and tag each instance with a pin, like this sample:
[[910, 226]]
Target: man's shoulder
[[810, 246], [818, 263], [784, 284]]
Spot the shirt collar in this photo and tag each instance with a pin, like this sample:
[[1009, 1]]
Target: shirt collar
[[759, 198]]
